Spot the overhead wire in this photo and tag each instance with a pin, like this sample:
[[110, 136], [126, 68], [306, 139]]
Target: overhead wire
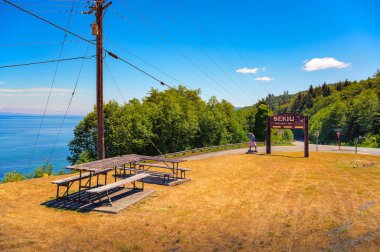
[[229, 37], [46, 61], [222, 26], [88, 41], [202, 50], [125, 101], [69, 104], [51, 88], [214, 80], [157, 44], [36, 43], [203, 32], [114, 81], [152, 66]]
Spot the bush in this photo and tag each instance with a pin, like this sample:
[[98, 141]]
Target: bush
[[61, 172], [13, 176], [282, 136], [43, 171], [370, 141]]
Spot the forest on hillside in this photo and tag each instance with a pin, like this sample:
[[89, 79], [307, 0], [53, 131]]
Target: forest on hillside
[[353, 107], [178, 119]]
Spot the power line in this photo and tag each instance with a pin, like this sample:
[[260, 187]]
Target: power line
[[203, 31], [142, 60], [203, 51], [125, 101], [158, 44], [37, 43], [47, 61], [51, 86], [68, 106], [114, 81], [214, 80], [150, 65], [88, 41], [49, 22]]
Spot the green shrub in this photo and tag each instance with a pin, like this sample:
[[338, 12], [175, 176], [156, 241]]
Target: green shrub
[[61, 172], [371, 141], [13, 176], [44, 170], [282, 136]]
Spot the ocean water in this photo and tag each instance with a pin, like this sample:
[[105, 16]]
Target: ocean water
[[18, 134]]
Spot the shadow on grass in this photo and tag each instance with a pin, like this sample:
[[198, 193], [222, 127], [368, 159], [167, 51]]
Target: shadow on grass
[[86, 203], [150, 180]]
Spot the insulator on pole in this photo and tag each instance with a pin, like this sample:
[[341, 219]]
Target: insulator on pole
[[113, 55]]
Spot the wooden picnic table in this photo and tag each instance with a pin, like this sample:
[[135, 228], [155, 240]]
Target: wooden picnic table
[[121, 162], [99, 165]]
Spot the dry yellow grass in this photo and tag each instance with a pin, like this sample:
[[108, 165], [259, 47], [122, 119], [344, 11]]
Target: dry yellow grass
[[237, 202]]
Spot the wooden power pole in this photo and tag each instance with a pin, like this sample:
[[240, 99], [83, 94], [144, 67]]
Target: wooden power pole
[[97, 29]]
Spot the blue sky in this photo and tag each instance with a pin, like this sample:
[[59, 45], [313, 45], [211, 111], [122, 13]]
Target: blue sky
[[236, 50]]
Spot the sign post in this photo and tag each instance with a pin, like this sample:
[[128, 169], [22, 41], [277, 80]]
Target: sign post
[[268, 142], [316, 136], [338, 135], [356, 143], [288, 121]]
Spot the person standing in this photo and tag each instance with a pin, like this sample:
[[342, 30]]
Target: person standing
[[252, 142]]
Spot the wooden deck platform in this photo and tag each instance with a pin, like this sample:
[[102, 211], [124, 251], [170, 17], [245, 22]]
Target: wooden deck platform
[[121, 199], [120, 202]]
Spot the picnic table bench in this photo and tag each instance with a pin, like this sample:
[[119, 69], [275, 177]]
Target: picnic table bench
[[165, 176], [121, 183], [181, 169], [68, 182]]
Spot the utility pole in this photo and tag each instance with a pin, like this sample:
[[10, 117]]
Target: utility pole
[[97, 29]]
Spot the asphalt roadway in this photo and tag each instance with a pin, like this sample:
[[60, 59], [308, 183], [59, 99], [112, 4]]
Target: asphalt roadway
[[297, 147]]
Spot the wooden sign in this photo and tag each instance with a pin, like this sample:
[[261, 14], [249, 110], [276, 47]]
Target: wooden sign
[[287, 121]]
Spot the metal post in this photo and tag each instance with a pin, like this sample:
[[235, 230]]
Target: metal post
[[339, 142], [268, 144], [356, 148], [317, 144], [356, 145], [306, 137]]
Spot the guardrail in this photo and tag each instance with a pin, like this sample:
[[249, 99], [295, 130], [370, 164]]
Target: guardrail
[[209, 149]]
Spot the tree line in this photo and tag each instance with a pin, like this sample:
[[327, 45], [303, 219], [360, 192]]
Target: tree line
[[167, 121], [178, 119]]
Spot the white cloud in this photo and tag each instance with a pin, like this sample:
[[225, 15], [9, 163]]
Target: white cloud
[[246, 70], [323, 63], [22, 92], [264, 78]]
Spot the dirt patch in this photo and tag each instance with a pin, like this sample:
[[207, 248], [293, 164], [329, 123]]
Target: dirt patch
[[347, 244], [368, 205], [361, 164], [341, 229]]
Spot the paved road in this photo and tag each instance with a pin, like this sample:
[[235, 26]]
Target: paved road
[[298, 146]]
